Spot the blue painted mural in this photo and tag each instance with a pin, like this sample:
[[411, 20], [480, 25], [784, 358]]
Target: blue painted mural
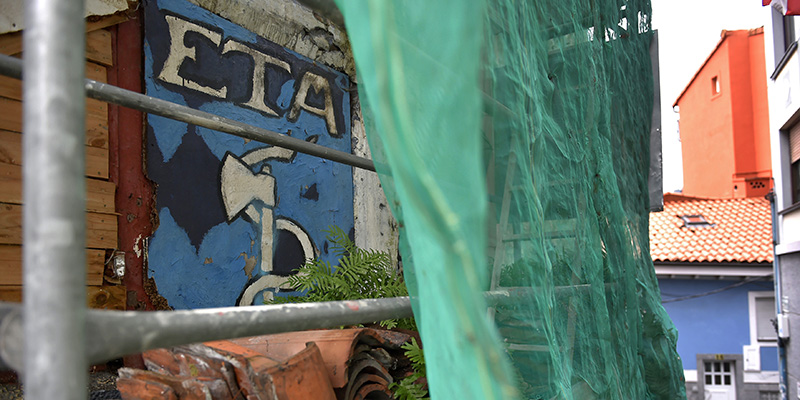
[[237, 216], [713, 324]]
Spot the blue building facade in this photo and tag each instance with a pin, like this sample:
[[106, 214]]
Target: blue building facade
[[717, 323]]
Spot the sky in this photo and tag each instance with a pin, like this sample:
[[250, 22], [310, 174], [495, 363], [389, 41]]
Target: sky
[[688, 31]]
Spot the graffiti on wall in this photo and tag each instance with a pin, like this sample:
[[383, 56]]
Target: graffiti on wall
[[236, 217]]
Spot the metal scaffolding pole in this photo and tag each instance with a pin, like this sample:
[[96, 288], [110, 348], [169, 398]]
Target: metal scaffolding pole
[[112, 334], [54, 222]]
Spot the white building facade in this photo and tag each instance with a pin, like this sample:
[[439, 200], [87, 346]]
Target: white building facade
[[783, 70]]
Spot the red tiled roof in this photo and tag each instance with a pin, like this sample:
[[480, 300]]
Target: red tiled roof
[[741, 231]]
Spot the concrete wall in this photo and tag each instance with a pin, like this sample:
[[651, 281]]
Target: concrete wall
[[790, 295]]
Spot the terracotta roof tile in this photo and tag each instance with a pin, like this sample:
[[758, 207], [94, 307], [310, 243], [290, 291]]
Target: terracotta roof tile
[[740, 231]]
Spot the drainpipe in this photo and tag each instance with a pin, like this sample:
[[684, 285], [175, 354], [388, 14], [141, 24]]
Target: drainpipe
[[784, 379]]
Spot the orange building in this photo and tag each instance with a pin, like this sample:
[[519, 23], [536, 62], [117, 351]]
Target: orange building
[[724, 121]]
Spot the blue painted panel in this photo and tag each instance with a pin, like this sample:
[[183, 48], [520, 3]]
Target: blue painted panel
[[716, 324], [225, 203], [769, 358]]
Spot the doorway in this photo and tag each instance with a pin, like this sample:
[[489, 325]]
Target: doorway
[[719, 375]]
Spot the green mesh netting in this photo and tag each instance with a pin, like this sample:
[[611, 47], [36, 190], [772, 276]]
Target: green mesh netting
[[512, 141]]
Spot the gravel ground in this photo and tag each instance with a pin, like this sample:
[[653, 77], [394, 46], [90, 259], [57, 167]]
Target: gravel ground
[[102, 385]]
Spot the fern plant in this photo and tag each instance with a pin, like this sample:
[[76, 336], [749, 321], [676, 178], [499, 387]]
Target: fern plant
[[409, 388], [359, 274]]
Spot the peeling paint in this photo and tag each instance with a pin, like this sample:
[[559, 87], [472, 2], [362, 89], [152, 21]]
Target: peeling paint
[[136, 249], [249, 264], [291, 25]]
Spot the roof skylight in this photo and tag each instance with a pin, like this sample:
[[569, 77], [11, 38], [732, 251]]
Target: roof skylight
[[696, 221]]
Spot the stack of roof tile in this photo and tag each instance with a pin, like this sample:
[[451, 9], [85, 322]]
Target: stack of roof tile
[[324, 364]]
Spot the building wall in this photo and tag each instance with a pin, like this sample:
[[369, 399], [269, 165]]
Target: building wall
[[751, 115], [294, 27], [741, 101], [724, 135], [214, 254], [236, 217], [762, 151], [103, 289], [705, 125], [717, 324], [783, 70], [790, 298]]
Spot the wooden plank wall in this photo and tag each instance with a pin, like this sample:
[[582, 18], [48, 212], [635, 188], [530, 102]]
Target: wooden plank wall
[[101, 217]]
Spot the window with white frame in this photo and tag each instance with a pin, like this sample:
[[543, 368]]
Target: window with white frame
[[762, 313], [762, 331], [719, 373]]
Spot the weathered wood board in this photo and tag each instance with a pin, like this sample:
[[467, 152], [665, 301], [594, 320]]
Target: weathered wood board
[[98, 45], [101, 218], [96, 120], [101, 229], [11, 265], [99, 193], [101, 297], [12, 88], [11, 153]]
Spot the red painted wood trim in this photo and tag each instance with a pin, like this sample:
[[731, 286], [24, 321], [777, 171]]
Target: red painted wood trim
[[134, 199]]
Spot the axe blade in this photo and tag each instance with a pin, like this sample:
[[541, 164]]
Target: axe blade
[[239, 186]]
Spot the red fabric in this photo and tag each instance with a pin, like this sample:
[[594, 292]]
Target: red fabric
[[790, 7]]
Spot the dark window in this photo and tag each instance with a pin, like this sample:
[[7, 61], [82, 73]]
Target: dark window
[[794, 154], [719, 373], [715, 85]]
